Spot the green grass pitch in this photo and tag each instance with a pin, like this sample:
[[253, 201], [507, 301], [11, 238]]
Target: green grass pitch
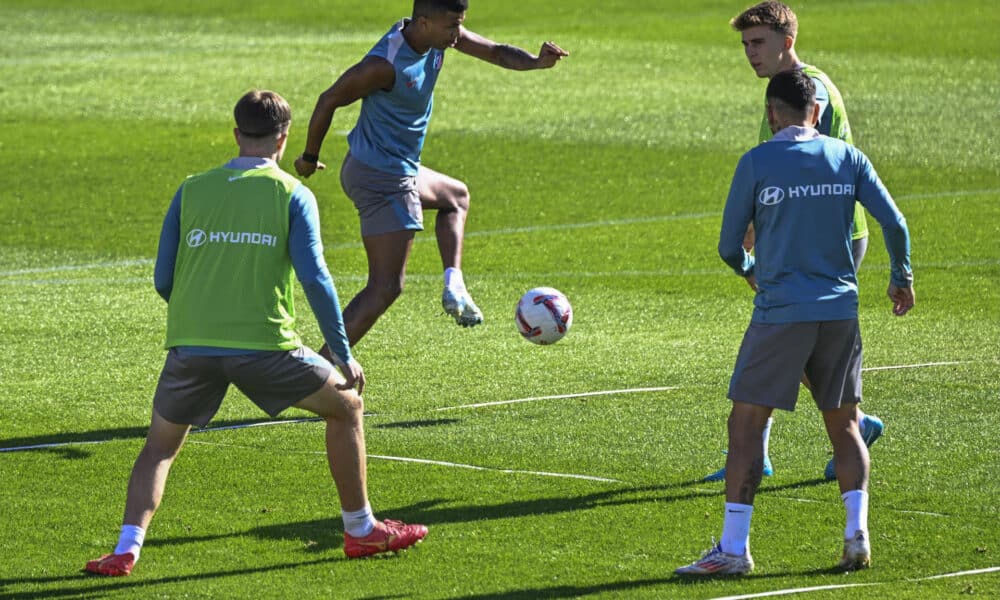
[[605, 178]]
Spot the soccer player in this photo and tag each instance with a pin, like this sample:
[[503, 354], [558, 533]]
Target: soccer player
[[382, 173], [799, 190], [768, 30], [229, 243]]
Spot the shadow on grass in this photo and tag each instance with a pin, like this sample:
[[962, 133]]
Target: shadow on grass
[[39, 442], [67, 445], [415, 424], [611, 587], [319, 535], [84, 585]]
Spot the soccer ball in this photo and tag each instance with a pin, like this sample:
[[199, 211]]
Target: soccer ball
[[543, 315]]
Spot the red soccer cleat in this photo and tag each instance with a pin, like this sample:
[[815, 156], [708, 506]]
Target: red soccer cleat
[[388, 536], [112, 565]]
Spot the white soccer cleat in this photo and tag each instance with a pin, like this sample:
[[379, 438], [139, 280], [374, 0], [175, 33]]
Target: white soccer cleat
[[716, 562], [857, 552], [461, 307]]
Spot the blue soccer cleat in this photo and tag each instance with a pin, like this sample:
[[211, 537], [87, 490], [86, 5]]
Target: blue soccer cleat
[[720, 475], [872, 428]]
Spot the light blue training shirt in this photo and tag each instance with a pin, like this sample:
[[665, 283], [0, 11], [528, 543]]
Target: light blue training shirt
[[799, 189], [305, 248], [391, 128]]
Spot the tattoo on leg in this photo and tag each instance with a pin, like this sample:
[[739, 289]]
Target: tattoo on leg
[[861, 482], [752, 481]]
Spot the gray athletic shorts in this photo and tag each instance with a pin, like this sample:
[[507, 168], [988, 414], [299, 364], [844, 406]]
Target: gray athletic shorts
[[191, 388], [385, 202], [773, 357]]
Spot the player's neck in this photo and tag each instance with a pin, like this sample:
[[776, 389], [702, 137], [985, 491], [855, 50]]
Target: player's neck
[[412, 38], [789, 60]]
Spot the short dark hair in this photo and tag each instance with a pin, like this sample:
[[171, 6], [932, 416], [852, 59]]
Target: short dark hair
[[773, 14], [794, 89], [429, 8], [262, 113]]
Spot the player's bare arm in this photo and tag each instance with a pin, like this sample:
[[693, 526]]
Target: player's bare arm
[[371, 74], [506, 56]]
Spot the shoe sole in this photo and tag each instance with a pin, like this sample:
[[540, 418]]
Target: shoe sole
[[383, 552], [712, 574]]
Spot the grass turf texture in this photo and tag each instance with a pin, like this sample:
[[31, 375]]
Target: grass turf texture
[[605, 178]]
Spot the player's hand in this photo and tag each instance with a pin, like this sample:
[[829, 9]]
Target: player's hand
[[549, 55], [902, 299], [306, 168], [353, 374], [749, 238]]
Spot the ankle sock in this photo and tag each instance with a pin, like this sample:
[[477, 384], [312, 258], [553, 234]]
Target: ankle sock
[[358, 523], [130, 540]]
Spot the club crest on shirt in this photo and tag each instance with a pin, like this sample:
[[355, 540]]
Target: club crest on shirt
[[438, 61]]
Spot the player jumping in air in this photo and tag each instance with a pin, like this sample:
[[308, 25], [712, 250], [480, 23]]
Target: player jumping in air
[[382, 173]]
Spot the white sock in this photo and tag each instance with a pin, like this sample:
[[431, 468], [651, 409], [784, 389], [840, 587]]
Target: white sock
[[130, 540], [736, 528], [453, 279], [358, 523], [767, 434], [856, 503]]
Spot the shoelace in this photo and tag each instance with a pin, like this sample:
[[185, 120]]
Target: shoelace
[[714, 549], [393, 526]]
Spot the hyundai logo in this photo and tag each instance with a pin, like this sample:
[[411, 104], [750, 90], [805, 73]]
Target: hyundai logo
[[770, 196], [196, 237]]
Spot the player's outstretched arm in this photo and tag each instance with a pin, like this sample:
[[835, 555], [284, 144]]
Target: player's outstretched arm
[[508, 57], [371, 74]]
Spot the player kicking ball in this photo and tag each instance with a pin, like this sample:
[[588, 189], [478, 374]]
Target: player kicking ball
[[230, 242], [382, 173]]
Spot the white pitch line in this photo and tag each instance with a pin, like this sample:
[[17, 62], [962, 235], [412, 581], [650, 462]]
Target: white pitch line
[[790, 591], [897, 510], [442, 463], [489, 232], [919, 365], [561, 396], [58, 268], [193, 431], [960, 574], [933, 195], [477, 405], [820, 588], [53, 445]]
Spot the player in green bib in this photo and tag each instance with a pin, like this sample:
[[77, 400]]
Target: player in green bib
[[233, 239], [768, 31]]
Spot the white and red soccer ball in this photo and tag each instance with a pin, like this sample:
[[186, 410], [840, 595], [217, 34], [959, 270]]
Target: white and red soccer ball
[[543, 315]]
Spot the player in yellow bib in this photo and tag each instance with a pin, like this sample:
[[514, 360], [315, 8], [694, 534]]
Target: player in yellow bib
[[768, 31]]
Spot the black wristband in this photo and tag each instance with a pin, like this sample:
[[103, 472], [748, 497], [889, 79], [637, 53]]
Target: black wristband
[[310, 158]]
